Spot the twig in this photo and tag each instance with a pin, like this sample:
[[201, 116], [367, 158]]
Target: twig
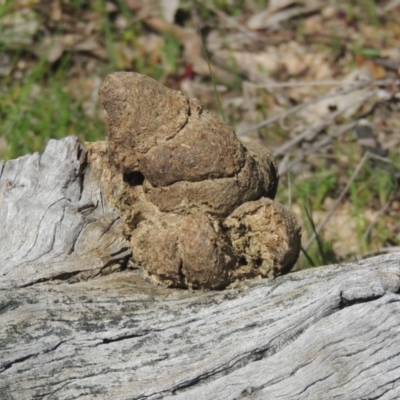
[[231, 21], [391, 249], [322, 143], [308, 132], [300, 83], [388, 7], [367, 155], [314, 130], [299, 107], [380, 212], [383, 209], [216, 94], [337, 202]]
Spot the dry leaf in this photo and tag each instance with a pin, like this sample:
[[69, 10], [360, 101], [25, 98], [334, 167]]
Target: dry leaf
[[169, 9], [273, 21], [18, 29], [350, 102], [258, 21], [278, 12]]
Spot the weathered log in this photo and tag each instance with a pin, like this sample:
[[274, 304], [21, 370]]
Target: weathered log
[[78, 321]]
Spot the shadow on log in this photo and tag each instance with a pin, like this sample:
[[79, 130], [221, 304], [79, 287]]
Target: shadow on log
[[79, 320]]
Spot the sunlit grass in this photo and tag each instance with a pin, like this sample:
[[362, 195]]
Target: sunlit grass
[[40, 107]]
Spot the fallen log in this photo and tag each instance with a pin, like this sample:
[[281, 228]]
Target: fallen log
[[78, 321], [81, 317]]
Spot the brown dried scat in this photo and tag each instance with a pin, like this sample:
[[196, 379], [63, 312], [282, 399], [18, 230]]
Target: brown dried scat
[[202, 216], [205, 148], [184, 251], [267, 234], [219, 197], [141, 114]]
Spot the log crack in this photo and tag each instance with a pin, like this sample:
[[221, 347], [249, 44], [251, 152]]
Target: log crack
[[17, 361], [345, 302]]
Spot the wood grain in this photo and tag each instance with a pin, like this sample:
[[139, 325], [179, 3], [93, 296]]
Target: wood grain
[[326, 333]]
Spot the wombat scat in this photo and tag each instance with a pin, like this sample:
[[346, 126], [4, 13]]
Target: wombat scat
[[202, 215]]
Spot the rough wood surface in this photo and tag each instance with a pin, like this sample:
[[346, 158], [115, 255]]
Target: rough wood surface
[[69, 331], [54, 220]]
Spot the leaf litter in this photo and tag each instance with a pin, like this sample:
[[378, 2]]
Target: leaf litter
[[297, 77]]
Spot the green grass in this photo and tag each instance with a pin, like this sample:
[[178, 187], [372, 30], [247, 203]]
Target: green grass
[[321, 252], [39, 108], [309, 195], [216, 94], [171, 55]]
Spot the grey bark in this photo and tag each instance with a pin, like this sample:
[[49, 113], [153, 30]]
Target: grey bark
[[76, 321]]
